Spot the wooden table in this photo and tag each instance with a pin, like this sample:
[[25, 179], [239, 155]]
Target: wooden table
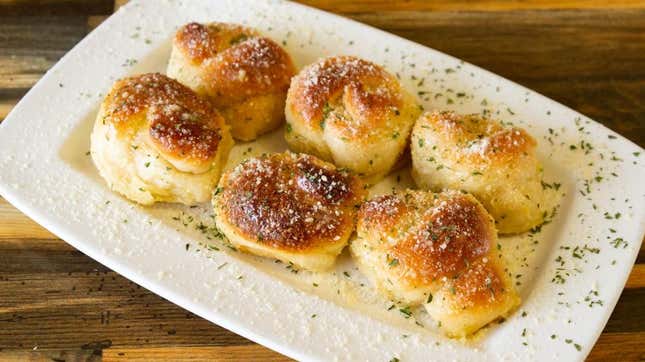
[[58, 304]]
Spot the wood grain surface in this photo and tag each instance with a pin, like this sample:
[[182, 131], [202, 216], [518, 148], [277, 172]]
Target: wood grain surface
[[56, 304]]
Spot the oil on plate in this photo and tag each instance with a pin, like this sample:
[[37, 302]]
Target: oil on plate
[[570, 272]]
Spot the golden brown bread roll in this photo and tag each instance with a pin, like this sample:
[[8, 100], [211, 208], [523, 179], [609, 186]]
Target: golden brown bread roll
[[244, 74], [495, 163], [435, 249], [352, 112], [295, 208], [154, 140]]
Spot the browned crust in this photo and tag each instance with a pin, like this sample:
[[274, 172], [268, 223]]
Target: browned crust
[[180, 123], [199, 42], [438, 238], [369, 93], [478, 139], [381, 213], [478, 285], [237, 62], [184, 138], [290, 202], [451, 235], [254, 67]]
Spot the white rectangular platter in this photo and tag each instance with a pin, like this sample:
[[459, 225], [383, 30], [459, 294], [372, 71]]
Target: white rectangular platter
[[569, 274]]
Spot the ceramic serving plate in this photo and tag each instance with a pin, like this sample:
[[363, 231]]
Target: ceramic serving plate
[[569, 272]]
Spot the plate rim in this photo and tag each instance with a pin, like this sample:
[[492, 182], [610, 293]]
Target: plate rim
[[21, 203]]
